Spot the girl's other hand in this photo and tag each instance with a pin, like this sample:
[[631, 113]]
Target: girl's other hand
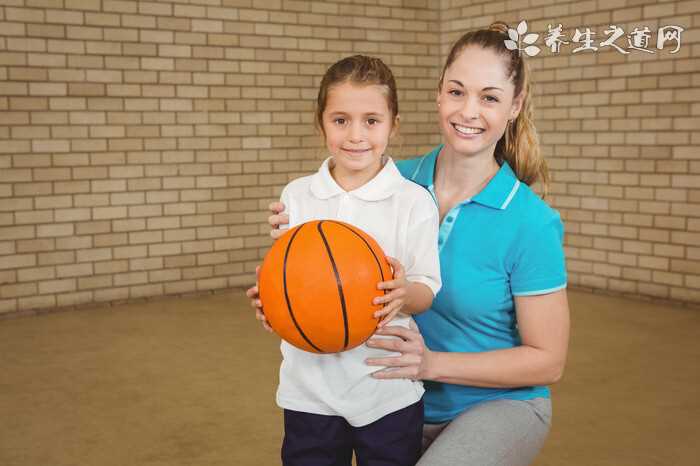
[[254, 295]]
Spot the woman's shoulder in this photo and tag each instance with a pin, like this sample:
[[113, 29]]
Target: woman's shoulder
[[534, 211], [409, 167]]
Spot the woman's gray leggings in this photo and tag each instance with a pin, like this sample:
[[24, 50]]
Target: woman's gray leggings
[[493, 433]]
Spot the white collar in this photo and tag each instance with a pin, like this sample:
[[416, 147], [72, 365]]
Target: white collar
[[381, 187]]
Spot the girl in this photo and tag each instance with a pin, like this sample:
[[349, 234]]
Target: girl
[[497, 333], [332, 404]]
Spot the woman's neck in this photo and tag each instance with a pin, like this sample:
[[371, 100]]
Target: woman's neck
[[460, 177]]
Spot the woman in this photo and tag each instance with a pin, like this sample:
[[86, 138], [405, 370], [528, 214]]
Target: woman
[[497, 333]]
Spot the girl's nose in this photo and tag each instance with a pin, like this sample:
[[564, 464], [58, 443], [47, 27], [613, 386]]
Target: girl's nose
[[356, 132]]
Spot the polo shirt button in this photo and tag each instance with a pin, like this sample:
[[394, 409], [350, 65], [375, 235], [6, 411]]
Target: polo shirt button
[[449, 219]]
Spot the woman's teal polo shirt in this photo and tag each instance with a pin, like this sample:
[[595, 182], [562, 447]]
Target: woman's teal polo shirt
[[503, 242]]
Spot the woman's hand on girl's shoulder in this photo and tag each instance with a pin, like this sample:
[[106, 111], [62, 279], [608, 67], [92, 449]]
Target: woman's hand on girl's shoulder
[[277, 218]]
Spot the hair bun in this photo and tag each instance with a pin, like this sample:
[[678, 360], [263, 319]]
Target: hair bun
[[500, 27]]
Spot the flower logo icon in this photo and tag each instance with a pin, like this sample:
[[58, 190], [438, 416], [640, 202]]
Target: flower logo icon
[[514, 42]]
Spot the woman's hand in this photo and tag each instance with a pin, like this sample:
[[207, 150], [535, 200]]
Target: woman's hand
[[394, 300], [253, 294], [413, 362], [277, 218]]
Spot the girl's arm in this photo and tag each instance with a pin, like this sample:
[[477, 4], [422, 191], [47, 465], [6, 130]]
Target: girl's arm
[[413, 293], [543, 322]]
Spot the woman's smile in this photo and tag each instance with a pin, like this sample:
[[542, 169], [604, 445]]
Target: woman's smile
[[467, 131]]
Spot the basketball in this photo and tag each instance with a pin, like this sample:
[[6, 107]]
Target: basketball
[[317, 283]]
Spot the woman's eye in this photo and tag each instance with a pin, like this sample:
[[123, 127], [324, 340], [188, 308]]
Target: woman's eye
[[490, 98], [372, 121], [455, 92]]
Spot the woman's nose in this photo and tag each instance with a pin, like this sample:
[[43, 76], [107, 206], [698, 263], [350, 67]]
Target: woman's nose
[[470, 109]]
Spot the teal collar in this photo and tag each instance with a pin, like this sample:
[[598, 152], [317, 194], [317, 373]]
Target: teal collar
[[497, 194]]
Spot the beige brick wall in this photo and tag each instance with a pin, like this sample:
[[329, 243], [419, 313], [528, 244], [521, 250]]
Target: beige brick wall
[[141, 141], [622, 136]]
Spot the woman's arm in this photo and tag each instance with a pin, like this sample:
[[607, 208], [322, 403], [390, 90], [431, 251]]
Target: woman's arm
[[543, 322]]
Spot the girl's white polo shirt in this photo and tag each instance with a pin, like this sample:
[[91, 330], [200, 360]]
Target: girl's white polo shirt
[[403, 218]]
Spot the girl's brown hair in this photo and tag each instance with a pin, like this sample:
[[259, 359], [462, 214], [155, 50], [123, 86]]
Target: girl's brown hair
[[519, 145], [357, 69]]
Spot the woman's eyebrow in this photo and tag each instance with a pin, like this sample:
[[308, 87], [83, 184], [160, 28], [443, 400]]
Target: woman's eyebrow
[[489, 88]]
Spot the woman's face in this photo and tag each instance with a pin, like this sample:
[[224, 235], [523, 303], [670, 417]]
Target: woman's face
[[475, 102]]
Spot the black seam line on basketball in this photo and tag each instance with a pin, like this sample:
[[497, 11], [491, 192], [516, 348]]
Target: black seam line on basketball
[[338, 282], [286, 296], [379, 265]]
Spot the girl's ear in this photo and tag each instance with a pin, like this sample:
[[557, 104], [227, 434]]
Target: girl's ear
[[395, 126], [517, 105]]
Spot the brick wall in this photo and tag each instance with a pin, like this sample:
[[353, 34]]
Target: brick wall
[[141, 141], [621, 134]]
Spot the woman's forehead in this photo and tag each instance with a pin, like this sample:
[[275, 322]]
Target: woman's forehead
[[479, 67]]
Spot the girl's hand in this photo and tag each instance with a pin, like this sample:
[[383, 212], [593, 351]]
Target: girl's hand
[[277, 218], [253, 294], [414, 361], [394, 300]]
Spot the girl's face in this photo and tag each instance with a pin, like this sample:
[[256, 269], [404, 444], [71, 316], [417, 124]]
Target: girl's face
[[357, 124], [475, 102]]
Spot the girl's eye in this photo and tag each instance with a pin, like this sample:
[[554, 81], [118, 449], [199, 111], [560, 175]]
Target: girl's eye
[[339, 121], [372, 121]]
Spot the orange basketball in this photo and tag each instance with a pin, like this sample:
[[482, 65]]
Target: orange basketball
[[317, 284]]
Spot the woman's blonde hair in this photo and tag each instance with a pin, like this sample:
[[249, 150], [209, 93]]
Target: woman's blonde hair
[[519, 145]]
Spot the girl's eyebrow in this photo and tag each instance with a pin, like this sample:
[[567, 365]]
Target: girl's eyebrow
[[340, 112]]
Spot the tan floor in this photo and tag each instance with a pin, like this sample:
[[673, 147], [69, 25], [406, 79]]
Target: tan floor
[[191, 382]]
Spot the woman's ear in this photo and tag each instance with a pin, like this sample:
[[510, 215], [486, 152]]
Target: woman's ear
[[395, 126], [517, 105]]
